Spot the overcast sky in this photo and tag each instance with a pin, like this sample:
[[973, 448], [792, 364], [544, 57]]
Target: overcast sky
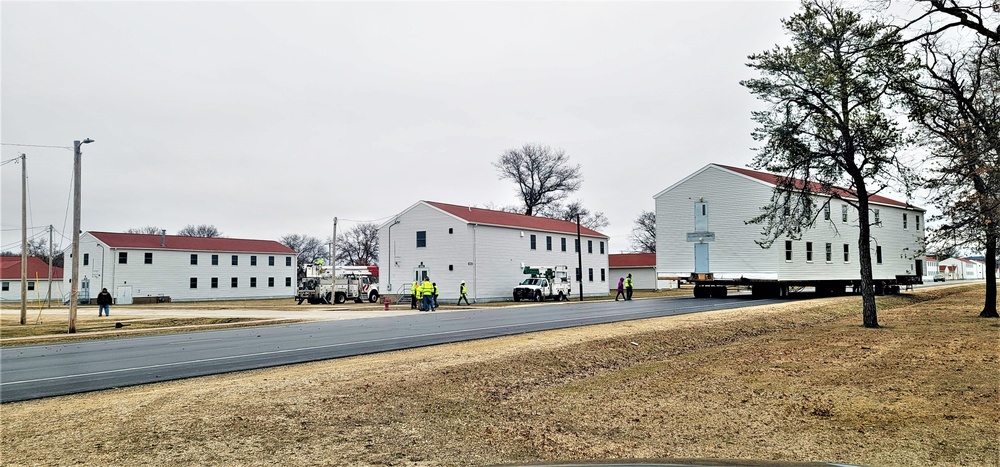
[[268, 119]]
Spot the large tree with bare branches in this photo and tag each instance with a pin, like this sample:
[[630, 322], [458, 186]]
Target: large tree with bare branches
[[544, 176]]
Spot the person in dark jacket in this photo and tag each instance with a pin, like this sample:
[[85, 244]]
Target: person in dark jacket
[[104, 303], [621, 288]]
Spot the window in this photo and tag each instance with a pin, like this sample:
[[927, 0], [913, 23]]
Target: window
[[532, 241], [234, 282], [194, 260], [122, 257], [548, 242], [602, 275], [270, 260], [579, 276], [270, 282], [288, 282], [916, 222], [147, 258], [86, 259], [875, 212], [194, 282], [590, 274], [451, 230], [786, 210], [253, 260], [602, 247], [5, 286], [829, 252], [215, 260], [788, 250], [451, 267], [215, 282], [904, 221], [564, 244], [826, 211], [31, 285], [421, 239], [843, 213], [809, 252], [288, 261], [878, 254], [847, 253], [576, 245], [253, 282], [236, 260], [590, 246]]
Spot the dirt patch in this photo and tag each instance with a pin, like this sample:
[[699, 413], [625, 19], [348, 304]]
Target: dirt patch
[[797, 381]]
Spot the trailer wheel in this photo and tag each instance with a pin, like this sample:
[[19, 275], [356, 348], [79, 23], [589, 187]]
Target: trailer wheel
[[373, 297], [720, 292], [699, 291], [538, 296]]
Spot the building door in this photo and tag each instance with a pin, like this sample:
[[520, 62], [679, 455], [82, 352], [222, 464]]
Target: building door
[[701, 257], [920, 267], [420, 273], [124, 295]]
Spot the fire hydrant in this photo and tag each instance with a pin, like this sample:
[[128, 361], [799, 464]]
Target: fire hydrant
[[386, 303]]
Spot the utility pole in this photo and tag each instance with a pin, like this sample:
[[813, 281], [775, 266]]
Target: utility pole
[[48, 296], [24, 240], [75, 278], [333, 249], [579, 256]]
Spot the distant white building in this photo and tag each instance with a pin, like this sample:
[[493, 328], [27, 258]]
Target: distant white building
[[701, 227], [962, 269], [146, 268], [487, 249], [37, 280], [642, 267]]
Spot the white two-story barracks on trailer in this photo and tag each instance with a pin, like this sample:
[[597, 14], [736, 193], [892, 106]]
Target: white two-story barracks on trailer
[[141, 267], [484, 248], [701, 228]]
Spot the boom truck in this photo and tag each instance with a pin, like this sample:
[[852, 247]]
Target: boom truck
[[322, 284], [550, 282]]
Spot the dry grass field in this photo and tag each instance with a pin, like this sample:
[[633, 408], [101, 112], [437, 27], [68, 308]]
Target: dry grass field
[[800, 381]]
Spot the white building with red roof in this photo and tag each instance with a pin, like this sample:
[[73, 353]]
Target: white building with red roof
[[485, 248], [147, 268], [37, 280], [701, 226], [962, 269], [642, 267]]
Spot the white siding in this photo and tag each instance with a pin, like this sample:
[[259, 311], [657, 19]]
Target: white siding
[[734, 199], [487, 258], [643, 278], [171, 271], [40, 292]]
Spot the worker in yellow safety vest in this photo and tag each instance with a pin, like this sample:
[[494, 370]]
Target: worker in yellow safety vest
[[427, 290], [463, 291], [415, 296], [628, 287]]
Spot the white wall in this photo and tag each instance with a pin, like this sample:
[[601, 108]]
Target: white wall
[[642, 278], [734, 199], [487, 258], [40, 292]]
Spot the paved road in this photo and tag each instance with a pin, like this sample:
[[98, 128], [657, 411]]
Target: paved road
[[38, 371]]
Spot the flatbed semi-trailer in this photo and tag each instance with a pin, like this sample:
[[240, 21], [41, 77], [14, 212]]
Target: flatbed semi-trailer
[[706, 285]]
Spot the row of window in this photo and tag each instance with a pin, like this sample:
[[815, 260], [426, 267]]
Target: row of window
[[6, 286], [576, 244], [590, 274], [829, 252], [148, 259], [234, 282], [875, 216]]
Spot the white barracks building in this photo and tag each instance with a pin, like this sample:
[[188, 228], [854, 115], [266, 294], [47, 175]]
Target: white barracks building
[[487, 249]]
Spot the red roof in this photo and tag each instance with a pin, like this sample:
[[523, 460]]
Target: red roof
[[509, 219], [814, 187], [632, 260], [181, 242], [10, 268]]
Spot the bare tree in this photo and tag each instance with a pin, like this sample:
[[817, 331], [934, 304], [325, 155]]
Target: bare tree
[[358, 246], [957, 108], [203, 230], [643, 236], [149, 229], [830, 122], [939, 16], [543, 175], [569, 212], [307, 249]]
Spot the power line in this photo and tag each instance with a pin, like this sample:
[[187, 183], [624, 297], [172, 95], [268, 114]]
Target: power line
[[36, 146]]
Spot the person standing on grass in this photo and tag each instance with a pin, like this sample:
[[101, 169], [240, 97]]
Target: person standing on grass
[[104, 303], [628, 287], [621, 288]]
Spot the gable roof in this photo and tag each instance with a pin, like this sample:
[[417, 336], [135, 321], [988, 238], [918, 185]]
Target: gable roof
[[181, 242], [774, 180], [10, 269], [509, 219], [632, 260]]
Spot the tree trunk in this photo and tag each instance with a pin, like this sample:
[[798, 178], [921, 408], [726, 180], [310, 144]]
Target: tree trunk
[[990, 307], [868, 311]]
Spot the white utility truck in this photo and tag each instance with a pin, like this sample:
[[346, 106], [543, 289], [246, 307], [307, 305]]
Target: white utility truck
[[551, 282], [321, 285]]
